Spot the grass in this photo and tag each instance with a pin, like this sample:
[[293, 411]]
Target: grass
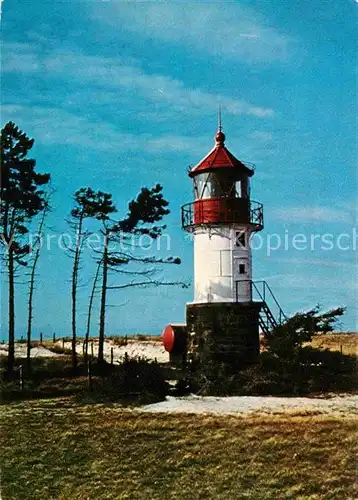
[[59, 449], [65, 451], [346, 343], [50, 377]]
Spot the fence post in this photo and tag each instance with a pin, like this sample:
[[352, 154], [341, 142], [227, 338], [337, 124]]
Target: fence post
[[54, 337], [90, 385], [21, 378], [341, 348], [63, 342], [92, 348], [111, 355], [41, 338]]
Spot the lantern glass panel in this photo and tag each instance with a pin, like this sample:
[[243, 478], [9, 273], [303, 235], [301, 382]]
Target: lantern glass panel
[[202, 186], [221, 184]]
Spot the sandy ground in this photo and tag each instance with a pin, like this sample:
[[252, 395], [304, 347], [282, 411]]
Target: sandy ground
[[344, 406], [134, 348], [21, 351]]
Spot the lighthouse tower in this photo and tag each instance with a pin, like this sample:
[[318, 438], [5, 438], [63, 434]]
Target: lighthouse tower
[[222, 219]]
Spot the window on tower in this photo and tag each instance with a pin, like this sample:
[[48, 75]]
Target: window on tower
[[238, 189], [242, 269], [241, 239]]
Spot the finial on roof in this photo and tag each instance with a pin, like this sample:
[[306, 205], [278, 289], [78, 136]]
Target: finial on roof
[[220, 136]]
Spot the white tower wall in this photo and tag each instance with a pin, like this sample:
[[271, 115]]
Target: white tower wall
[[220, 262]]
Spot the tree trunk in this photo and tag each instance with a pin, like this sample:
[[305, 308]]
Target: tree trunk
[[32, 287], [90, 305], [29, 317], [74, 292], [11, 355], [102, 316], [74, 333]]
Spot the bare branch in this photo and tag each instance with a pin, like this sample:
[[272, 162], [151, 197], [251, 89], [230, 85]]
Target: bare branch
[[149, 283]]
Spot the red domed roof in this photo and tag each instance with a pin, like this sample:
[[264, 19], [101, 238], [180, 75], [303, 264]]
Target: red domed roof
[[219, 157]]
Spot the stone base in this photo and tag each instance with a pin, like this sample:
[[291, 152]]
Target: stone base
[[224, 332]]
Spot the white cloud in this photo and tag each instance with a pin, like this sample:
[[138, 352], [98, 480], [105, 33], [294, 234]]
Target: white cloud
[[261, 136], [114, 73], [221, 29], [316, 285], [19, 57], [335, 264], [56, 126], [312, 214]]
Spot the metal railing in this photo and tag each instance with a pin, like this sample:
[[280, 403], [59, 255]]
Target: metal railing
[[264, 291], [260, 291], [218, 211]]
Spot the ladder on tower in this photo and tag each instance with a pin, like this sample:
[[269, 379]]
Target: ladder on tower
[[270, 317]]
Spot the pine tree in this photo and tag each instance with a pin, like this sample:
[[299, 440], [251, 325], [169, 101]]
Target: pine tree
[[144, 212], [88, 204], [21, 200], [287, 339]]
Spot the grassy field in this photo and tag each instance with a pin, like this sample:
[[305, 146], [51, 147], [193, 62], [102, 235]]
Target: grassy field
[[346, 343], [55, 449]]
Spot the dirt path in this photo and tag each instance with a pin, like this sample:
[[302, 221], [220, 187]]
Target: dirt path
[[344, 405]]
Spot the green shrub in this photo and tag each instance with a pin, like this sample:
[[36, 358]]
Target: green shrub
[[134, 379], [212, 379], [309, 371], [141, 337], [312, 370], [120, 341], [58, 349]]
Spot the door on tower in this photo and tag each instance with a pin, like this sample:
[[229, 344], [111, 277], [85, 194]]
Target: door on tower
[[242, 279]]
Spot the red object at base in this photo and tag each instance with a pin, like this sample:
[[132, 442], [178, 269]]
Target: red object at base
[[175, 339], [168, 337]]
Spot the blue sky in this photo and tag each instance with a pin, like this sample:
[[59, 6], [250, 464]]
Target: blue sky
[[123, 94]]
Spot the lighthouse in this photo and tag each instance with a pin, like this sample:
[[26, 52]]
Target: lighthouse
[[224, 318]]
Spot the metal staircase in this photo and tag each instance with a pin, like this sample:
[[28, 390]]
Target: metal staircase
[[271, 314]]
